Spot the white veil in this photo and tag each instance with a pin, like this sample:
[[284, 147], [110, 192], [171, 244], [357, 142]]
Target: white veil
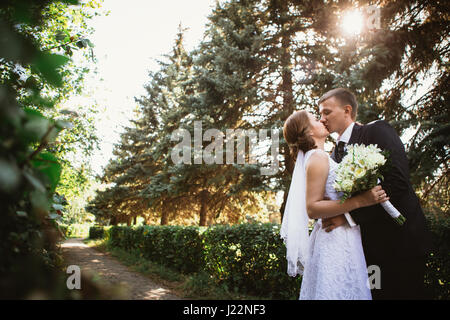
[[294, 228]]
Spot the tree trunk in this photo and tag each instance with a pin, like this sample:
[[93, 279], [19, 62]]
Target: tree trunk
[[164, 218], [283, 205], [203, 207], [288, 104]]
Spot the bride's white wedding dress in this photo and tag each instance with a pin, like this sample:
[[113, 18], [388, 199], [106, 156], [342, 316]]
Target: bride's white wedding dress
[[336, 267]]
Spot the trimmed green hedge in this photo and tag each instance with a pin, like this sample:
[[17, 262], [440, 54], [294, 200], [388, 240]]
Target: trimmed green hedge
[[75, 230], [97, 232], [175, 246], [249, 258]]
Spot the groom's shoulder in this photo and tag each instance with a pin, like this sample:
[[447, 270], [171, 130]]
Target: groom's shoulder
[[378, 126]]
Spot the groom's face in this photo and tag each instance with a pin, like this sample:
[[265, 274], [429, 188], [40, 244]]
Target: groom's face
[[333, 115]]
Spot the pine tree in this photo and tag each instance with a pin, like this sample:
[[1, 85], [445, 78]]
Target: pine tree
[[142, 152], [217, 96], [399, 72]]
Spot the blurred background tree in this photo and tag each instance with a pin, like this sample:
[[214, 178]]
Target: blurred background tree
[[37, 39], [258, 62]]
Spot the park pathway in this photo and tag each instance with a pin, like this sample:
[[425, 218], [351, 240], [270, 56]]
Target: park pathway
[[97, 264]]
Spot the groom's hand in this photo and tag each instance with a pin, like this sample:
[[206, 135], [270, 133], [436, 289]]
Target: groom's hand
[[329, 224]]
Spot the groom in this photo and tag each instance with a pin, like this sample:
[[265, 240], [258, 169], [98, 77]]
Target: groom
[[399, 251]]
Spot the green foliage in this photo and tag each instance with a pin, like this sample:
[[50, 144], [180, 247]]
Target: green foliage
[[96, 232], [438, 266], [75, 230], [257, 63], [175, 246], [250, 258], [247, 258], [32, 81]]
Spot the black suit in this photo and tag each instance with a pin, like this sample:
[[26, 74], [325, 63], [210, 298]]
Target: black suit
[[399, 251]]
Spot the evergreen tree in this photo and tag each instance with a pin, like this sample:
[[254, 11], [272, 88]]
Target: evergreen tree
[[142, 154], [216, 96], [399, 72]]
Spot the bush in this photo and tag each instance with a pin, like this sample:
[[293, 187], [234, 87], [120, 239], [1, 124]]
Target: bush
[[175, 246], [438, 265], [250, 258], [96, 232], [75, 230]]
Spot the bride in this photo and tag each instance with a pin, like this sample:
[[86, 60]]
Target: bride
[[332, 263]]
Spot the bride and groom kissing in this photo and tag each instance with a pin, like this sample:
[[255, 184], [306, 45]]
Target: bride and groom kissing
[[351, 235]]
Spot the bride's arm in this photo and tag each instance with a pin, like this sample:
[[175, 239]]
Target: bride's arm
[[316, 206]]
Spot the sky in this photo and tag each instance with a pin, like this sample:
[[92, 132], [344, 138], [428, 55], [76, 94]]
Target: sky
[[127, 43]]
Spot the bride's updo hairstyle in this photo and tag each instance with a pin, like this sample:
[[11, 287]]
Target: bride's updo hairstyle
[[296, 133]]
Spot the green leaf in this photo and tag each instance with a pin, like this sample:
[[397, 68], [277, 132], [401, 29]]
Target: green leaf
[[83, 43], [35, 127], [22, 214], [47, 64], [60, 35], [72, 2], [48, 164], [35, 182], [57, 206], [9, 176], [53, 216], [39, 200], [64, 124]]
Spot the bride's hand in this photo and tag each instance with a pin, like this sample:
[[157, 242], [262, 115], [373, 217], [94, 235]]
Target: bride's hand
[[373, 196]]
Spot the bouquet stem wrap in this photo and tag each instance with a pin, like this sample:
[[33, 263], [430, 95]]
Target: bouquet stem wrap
[[393, 212]]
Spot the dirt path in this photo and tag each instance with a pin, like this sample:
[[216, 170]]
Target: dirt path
[[112, 272]]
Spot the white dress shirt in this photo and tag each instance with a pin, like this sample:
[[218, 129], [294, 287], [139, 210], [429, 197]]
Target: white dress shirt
[[345, 137]]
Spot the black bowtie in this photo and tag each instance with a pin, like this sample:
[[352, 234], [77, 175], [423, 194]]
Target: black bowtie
[[339, 153]]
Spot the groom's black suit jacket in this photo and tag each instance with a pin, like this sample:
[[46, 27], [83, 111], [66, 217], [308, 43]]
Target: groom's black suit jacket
[[383, 240]]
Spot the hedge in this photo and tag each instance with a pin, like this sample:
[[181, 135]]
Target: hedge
[[250, 258], [75, 230], [177, 247], [97, 232]]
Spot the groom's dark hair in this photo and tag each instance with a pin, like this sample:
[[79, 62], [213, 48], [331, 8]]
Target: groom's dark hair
[[344, 96]]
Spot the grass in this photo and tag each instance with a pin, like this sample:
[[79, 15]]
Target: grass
[[197, 286]]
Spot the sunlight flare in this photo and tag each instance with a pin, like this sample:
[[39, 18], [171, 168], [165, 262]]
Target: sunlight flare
[[352, 22]]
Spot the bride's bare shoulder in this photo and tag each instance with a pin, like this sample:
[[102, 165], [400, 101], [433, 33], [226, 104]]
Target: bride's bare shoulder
[[318, 158], [319, 154]]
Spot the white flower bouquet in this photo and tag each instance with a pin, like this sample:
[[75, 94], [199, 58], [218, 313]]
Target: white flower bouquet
[[361, 170]]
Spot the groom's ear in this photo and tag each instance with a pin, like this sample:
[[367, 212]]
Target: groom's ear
[[348, 110]]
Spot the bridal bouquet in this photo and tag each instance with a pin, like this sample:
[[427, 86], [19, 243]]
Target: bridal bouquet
[[361, 170]]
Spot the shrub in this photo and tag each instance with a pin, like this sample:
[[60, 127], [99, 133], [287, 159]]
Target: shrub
[[96, 232], [175, 246], [74, 230], [250, 258], [438, 265]]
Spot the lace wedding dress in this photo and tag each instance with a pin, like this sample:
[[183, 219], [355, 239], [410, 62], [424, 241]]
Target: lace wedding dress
[[336, 268]]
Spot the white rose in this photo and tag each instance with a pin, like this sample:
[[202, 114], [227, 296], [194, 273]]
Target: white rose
[[360, 172], [347, 185]]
